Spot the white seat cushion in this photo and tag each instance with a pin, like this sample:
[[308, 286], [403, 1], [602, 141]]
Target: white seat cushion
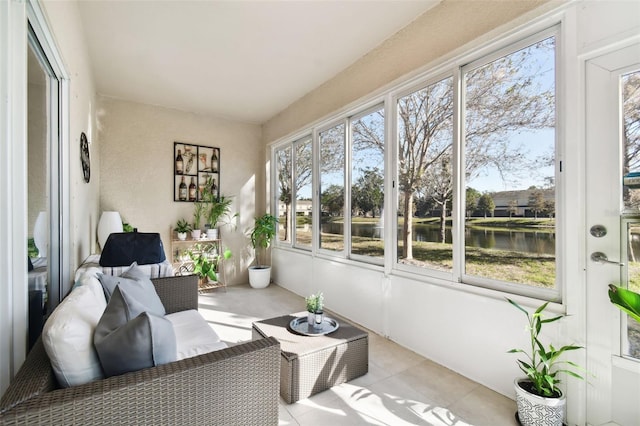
[[194, 336]]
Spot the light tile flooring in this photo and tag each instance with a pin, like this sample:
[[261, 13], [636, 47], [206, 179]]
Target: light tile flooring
[[401, 388]]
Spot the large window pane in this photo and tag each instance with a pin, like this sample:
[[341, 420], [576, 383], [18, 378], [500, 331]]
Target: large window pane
[[367, 184], [631, 136], [332, 157], [509, 153], [304, 210], [283, 198], [425, 184], [630, 84]]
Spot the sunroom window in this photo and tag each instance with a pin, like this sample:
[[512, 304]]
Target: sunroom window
[[303, 167], [332, 178], [425, 176], [283, 192], [474, 175], [367, 184], [509, 167]]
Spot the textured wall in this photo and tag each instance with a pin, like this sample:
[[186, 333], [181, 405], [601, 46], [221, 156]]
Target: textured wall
[[438, 32], [137, 170]]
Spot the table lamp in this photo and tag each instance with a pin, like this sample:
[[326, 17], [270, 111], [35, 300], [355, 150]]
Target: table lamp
[[109, 222]]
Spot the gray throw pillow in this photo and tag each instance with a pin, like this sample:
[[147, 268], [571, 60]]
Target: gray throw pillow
[[138, 286], [128, 338]]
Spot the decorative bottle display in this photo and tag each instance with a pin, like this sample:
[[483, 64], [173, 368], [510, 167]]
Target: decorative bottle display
[[182, 190], [179, 163], [192, 189], [200, 167], [214, 161]]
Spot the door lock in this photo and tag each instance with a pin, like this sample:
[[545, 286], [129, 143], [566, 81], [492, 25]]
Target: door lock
[[600, 257], [598, 231]]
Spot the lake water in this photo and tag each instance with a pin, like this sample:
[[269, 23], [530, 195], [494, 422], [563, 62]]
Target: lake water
[[492, 238]]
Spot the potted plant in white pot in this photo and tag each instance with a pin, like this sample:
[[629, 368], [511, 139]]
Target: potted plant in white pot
[[215, 208], [219, 209], [199, 208], [182, 227], [315, 308], [262, 234], [540, 402]]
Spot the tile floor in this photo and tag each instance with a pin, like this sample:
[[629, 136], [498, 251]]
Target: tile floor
[[401, 388]]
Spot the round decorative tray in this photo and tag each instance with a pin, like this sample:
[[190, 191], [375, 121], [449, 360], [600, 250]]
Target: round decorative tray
[[300, 325]]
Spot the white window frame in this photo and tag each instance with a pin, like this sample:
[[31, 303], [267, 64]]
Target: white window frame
[[554, 294], [318, 189], [348, 237], [388, 98]]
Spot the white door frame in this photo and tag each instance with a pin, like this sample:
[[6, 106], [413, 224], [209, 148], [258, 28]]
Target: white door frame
[[603, 179]]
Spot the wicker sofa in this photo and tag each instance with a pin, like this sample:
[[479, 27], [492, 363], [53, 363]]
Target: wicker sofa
[[238, 385]]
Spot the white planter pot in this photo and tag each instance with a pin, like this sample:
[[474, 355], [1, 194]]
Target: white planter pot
[[182, 236], [534, 410], [195, 234], [212, 233], [259, 276]]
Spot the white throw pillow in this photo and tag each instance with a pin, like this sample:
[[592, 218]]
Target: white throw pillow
[[68, 334]]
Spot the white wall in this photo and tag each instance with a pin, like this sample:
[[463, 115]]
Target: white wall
[[466, 332], [66, 24], [137, 170]]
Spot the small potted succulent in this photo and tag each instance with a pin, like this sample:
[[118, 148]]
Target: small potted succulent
[[539, 400], [315, 308], [182, 227]]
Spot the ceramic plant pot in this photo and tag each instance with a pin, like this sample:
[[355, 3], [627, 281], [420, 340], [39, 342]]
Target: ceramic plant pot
[[534, 410], [259, 276], [182, 236]]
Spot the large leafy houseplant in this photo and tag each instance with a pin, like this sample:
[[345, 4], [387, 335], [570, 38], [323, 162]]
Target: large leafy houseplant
[[206, 261], [543, 364], [262, 235], [263, 232], [627, 300]]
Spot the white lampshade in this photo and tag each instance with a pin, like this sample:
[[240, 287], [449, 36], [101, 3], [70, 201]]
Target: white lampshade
[[41, 234], [109, 222]]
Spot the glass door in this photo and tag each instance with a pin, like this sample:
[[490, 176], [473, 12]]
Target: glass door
[[612, 152]]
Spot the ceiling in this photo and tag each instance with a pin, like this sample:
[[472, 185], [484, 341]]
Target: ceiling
[[241, 60]]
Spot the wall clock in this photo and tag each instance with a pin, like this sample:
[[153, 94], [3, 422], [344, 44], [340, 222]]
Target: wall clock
[[84, 157]]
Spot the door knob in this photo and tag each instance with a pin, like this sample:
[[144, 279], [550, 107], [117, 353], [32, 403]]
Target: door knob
[[600, 257]]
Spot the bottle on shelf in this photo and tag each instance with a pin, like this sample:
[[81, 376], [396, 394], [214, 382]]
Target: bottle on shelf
[[182, 190], [179, 163], [192, 189], [214, 161]]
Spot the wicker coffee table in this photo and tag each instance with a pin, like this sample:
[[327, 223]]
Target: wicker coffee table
[[311, 364]]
